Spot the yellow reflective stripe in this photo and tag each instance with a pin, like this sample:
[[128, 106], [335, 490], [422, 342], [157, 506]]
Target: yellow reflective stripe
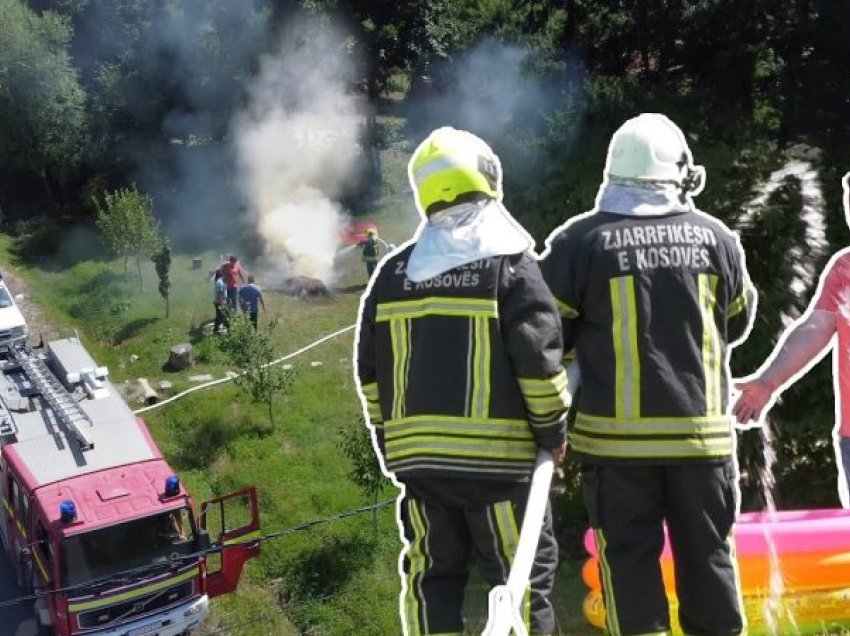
[[161, 585], [45, 575], [700, 425], [565, 310], [710, 343], [374, 412], [245, 538], [539, 406], [436, 425], [399, 338], [439, 445], [14, 516], [370, 391], [652, 448], [416, 557], [624, 333], [463, 307], [534, 387], [738, 305], [481, 368], [611, 619]]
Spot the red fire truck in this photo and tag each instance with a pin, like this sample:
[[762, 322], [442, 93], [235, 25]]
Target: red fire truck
[[95, 523]]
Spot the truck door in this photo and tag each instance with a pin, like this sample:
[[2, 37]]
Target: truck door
[[233, 523]]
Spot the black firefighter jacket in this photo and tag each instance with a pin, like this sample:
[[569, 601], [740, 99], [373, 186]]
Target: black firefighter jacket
[[461, 374], [651, 305]]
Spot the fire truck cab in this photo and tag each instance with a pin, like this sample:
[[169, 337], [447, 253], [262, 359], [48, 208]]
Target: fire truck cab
[[94, 521]]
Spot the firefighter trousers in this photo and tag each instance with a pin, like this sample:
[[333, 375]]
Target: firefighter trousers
[[627, 505], [448, 526]]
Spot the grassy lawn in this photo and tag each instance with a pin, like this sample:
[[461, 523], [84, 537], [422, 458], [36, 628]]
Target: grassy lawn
[[338, 578]]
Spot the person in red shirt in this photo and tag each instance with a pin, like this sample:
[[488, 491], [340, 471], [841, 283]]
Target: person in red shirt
[[802, 345], [232, 272]]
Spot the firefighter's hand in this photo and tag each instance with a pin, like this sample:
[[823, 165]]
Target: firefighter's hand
[[755, 395], [560, 454]]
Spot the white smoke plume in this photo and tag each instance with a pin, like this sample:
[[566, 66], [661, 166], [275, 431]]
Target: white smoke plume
[[297, 147]]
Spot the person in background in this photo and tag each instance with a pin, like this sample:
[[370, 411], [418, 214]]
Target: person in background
[[232, 272], [220, 302], [458, 362], [369, 247], [653, 294], [251, 299], [802, 345]]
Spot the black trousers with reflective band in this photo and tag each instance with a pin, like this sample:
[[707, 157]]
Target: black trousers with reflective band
[[627, 505], [448, 527]]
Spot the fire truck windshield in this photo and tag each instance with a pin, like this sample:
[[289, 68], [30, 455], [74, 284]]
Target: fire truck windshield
[[111, 551]]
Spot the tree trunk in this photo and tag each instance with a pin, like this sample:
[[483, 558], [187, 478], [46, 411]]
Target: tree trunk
[[167, 306], [48, 190], [139, 268]]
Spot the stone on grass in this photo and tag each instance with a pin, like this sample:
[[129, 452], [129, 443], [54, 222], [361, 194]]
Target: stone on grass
[[204, 377], [182, 356], [165, 385]]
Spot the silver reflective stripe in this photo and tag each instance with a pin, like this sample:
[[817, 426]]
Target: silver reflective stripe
[[653, 425], [481, 373], [438, 164], [624, 333], [461, 307], [652, 448], [419, 425], [711, 350]]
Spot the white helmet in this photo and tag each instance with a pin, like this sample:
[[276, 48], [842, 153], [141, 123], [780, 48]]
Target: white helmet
[[651, 148]]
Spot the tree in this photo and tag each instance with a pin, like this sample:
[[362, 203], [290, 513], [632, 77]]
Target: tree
[[252, 352], [43, 122], [125, 219], [162, 262], [355, 442]]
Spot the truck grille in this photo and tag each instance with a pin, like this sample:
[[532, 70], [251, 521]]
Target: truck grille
[[137, 607]]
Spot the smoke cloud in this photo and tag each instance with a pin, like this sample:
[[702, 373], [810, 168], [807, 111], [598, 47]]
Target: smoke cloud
[[298, 149]]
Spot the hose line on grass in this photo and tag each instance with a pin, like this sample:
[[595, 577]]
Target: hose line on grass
[[207, 385]]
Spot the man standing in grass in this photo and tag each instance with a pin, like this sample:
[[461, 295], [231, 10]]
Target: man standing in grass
[[458, 360], [232, 272], [251, 299]]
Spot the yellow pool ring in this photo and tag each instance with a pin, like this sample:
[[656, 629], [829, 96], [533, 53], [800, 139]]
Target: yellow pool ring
[[813, 612], [804, 571]]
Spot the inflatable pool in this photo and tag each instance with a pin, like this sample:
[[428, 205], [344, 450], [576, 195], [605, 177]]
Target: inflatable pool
[[820, 612], [801, 571], [813, 547], [792, 531]]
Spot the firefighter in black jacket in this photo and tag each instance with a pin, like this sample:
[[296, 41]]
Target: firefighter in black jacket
[[653, 293], [459, 366]]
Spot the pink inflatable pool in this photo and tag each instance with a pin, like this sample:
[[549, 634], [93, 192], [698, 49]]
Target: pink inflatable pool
[[792, 531]]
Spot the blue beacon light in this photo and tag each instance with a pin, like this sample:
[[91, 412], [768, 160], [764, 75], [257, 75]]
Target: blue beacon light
[[172, 486], [67, 511]]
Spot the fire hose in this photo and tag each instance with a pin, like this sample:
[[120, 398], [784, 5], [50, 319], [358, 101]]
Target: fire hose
[[505, 601], [207, 385]]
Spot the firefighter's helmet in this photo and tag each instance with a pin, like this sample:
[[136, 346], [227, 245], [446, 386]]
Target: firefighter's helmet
[[651, 148], [371, 232], [451, 163]]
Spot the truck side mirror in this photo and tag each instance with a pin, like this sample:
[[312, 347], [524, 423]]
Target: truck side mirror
[[202, 541]]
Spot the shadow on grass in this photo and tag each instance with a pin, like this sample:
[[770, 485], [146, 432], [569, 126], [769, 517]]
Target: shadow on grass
[[325, 570], [133, 327], [205, 442]]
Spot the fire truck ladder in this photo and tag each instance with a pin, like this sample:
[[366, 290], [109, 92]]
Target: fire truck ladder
[[62, 403]]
